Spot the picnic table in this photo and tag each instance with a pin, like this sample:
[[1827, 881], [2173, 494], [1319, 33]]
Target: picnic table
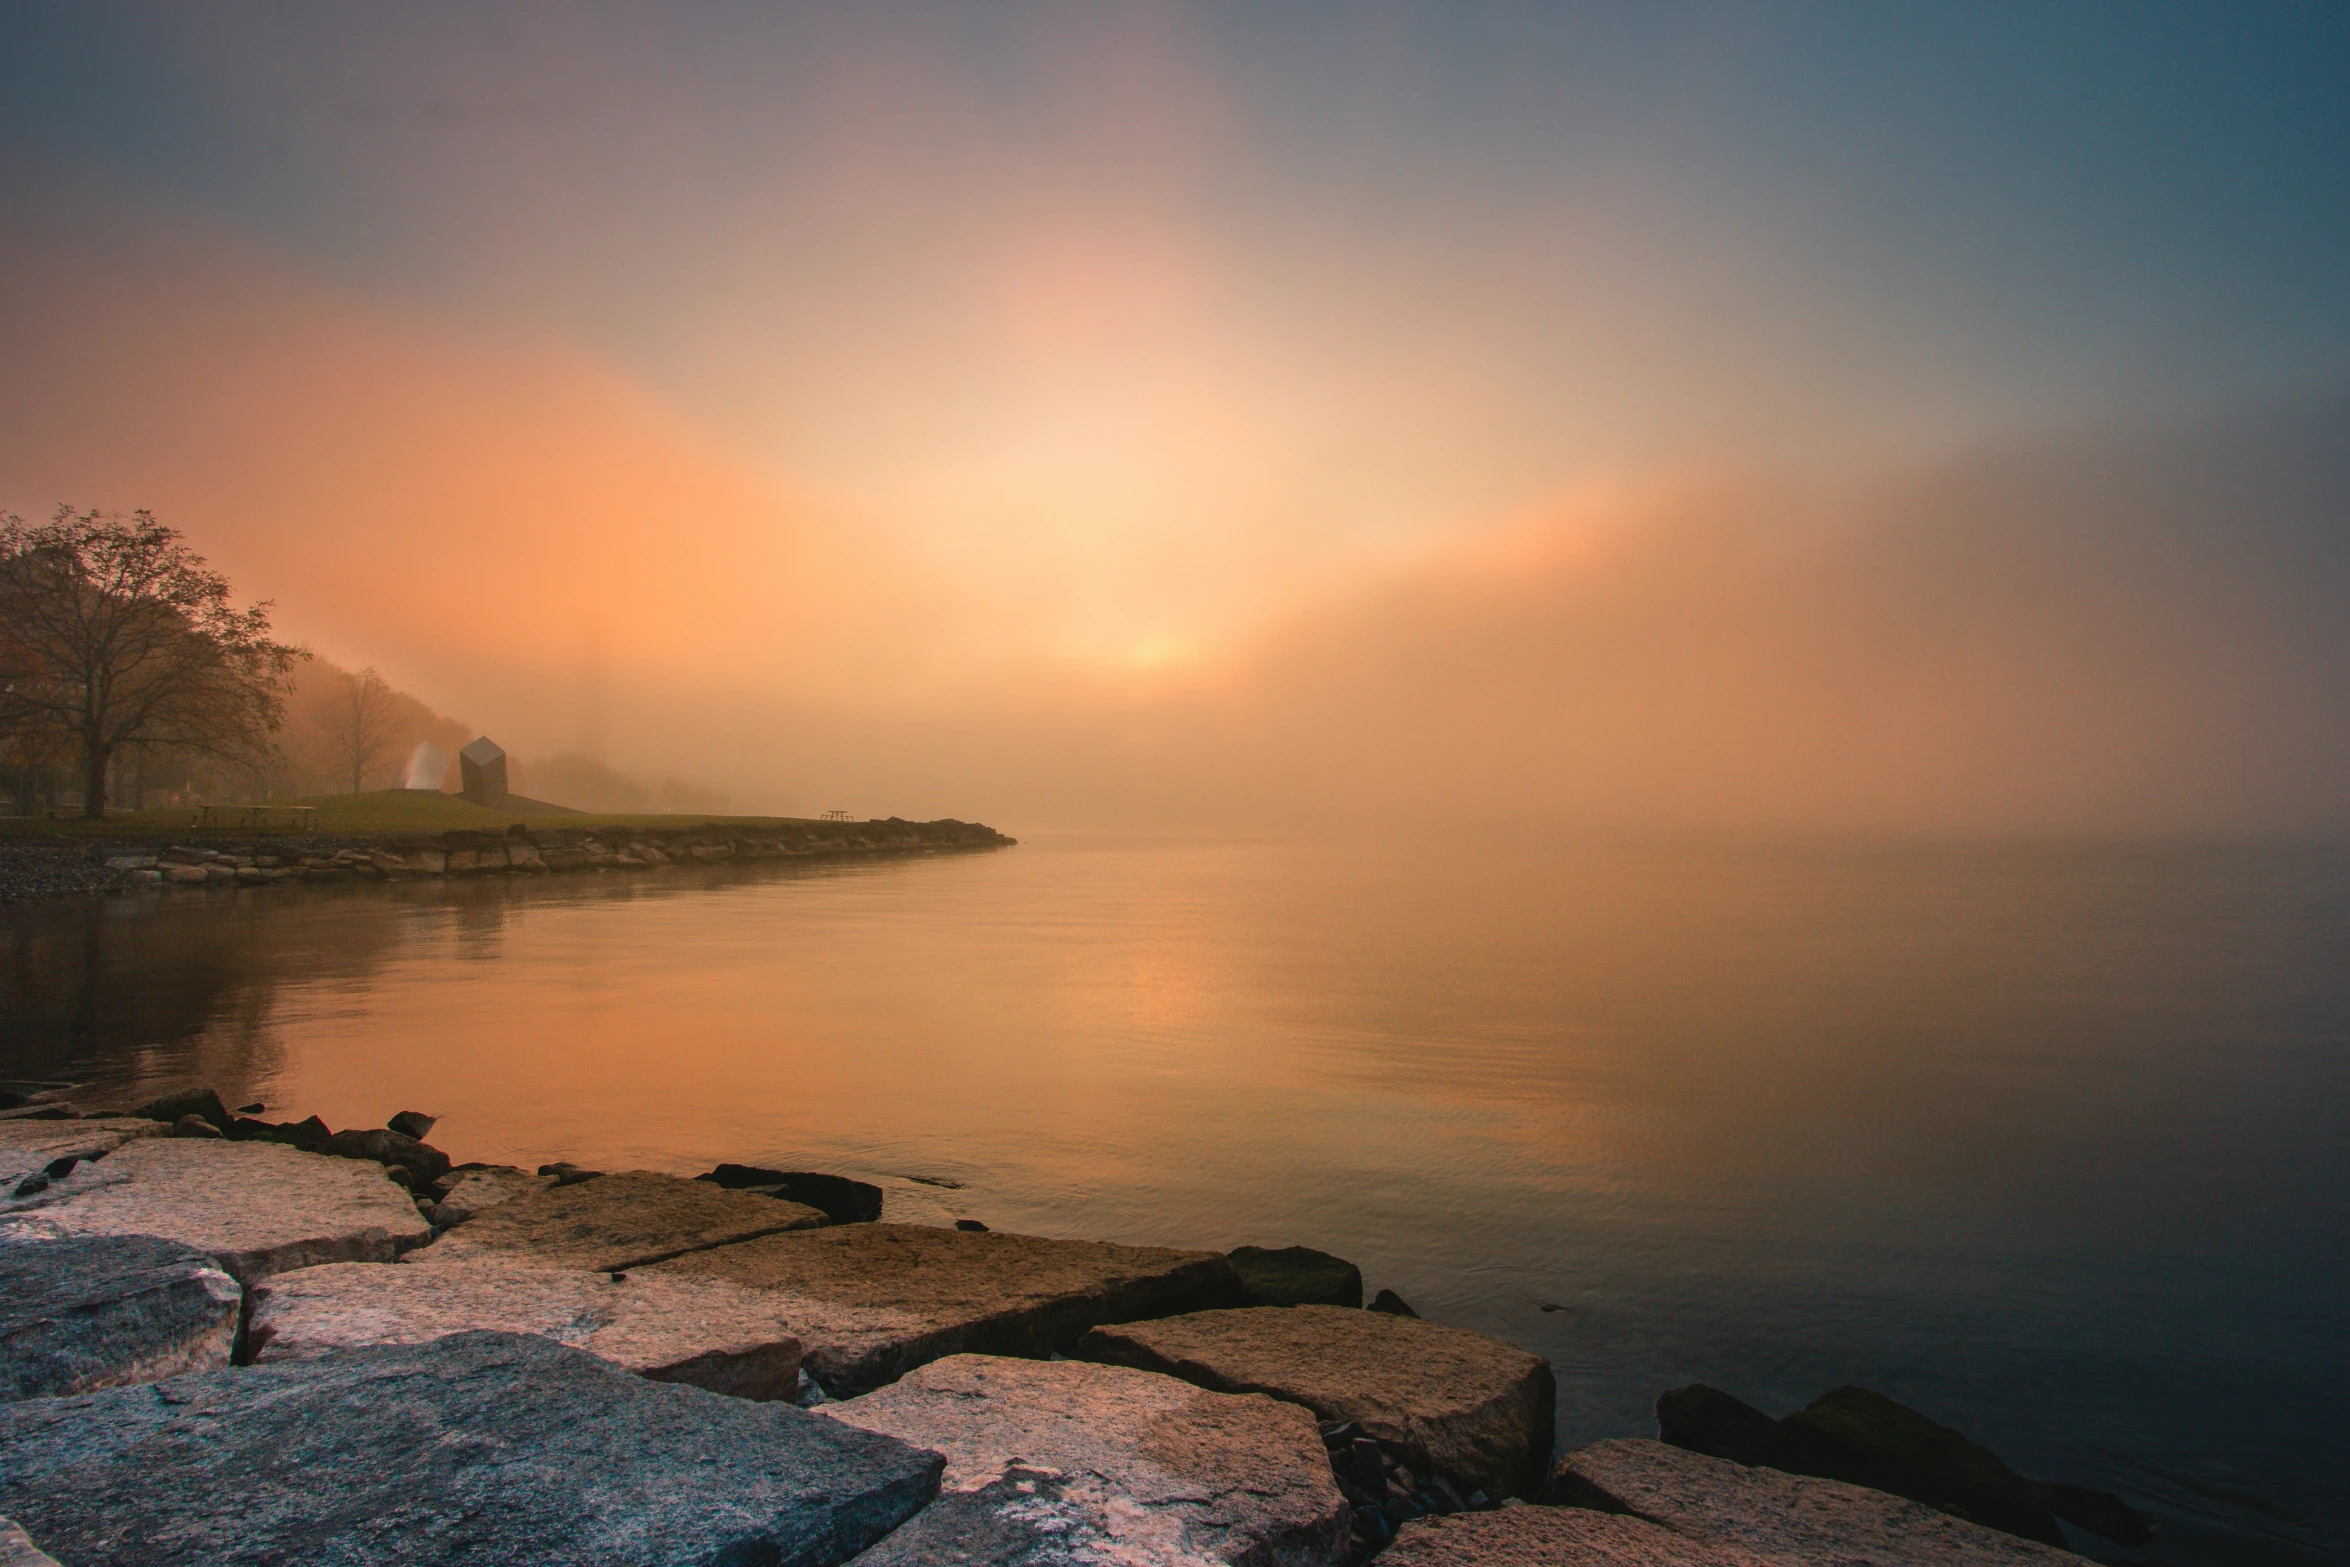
[[299, 818]]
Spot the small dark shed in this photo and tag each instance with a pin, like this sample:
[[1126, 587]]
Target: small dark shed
[[484, 764]]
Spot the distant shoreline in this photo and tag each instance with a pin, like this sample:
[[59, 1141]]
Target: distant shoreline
[[97, 862]]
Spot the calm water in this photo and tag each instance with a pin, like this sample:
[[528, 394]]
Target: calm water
[[2047, 1141]]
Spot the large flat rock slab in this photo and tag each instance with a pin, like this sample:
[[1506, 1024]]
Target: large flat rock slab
[[628, 1219], [1472, 1408], [257, 1208], [872, 1301], [1789, 1520], [28, 1148], [84, 1312], [699, 1331], [486, 1449], [1062, 1461], [1553, 1537]]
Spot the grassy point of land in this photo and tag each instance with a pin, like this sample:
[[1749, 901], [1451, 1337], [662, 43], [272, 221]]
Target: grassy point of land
[[382, 811]]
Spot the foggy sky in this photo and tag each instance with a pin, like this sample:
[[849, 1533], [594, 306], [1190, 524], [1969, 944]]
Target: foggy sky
[[1173, 415]]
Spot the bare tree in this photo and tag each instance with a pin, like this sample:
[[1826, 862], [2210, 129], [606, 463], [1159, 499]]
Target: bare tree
[[116, 632], [366, 721]]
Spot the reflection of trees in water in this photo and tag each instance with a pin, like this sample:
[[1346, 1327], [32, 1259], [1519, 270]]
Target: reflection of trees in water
[[480, 909], [124, 992], [132, 994]]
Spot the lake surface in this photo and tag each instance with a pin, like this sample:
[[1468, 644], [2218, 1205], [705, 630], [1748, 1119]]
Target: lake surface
[[2046, 1140]]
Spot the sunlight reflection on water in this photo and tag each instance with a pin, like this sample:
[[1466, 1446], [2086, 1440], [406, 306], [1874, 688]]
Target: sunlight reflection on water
[[2044, 1140]]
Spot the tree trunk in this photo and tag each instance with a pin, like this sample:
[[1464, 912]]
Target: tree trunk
[[95, 755]]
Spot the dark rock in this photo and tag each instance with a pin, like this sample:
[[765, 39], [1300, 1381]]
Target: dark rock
[[310, 1135], [971, 1226], [1392, 1303], [1366, 1467], [486, 1449], [255, 1108], [1296, 1276], [84, 1312], [196, 1101], [423, 1162], [567, 1174], [2099, 1512], [194, 1126], [1707, 1420], [842, 1200], [413, 1123], [1862, 1437]]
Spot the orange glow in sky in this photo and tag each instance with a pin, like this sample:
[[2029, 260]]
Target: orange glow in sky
[[1150, 417]]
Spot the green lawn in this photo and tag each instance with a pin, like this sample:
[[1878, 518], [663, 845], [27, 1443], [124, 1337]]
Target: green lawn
[[381, 811]]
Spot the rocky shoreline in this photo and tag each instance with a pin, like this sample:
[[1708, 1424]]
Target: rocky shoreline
[[35, 868], [225, 1338]]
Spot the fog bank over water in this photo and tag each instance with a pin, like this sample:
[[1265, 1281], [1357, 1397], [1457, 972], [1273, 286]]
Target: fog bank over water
[[2130, 633], [2136, 629]]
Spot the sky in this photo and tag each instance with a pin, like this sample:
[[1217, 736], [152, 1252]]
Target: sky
[[1920, 417]]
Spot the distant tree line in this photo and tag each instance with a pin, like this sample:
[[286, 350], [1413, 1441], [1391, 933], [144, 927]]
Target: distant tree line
[[115, 639], [350, 731], [128, 676]]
